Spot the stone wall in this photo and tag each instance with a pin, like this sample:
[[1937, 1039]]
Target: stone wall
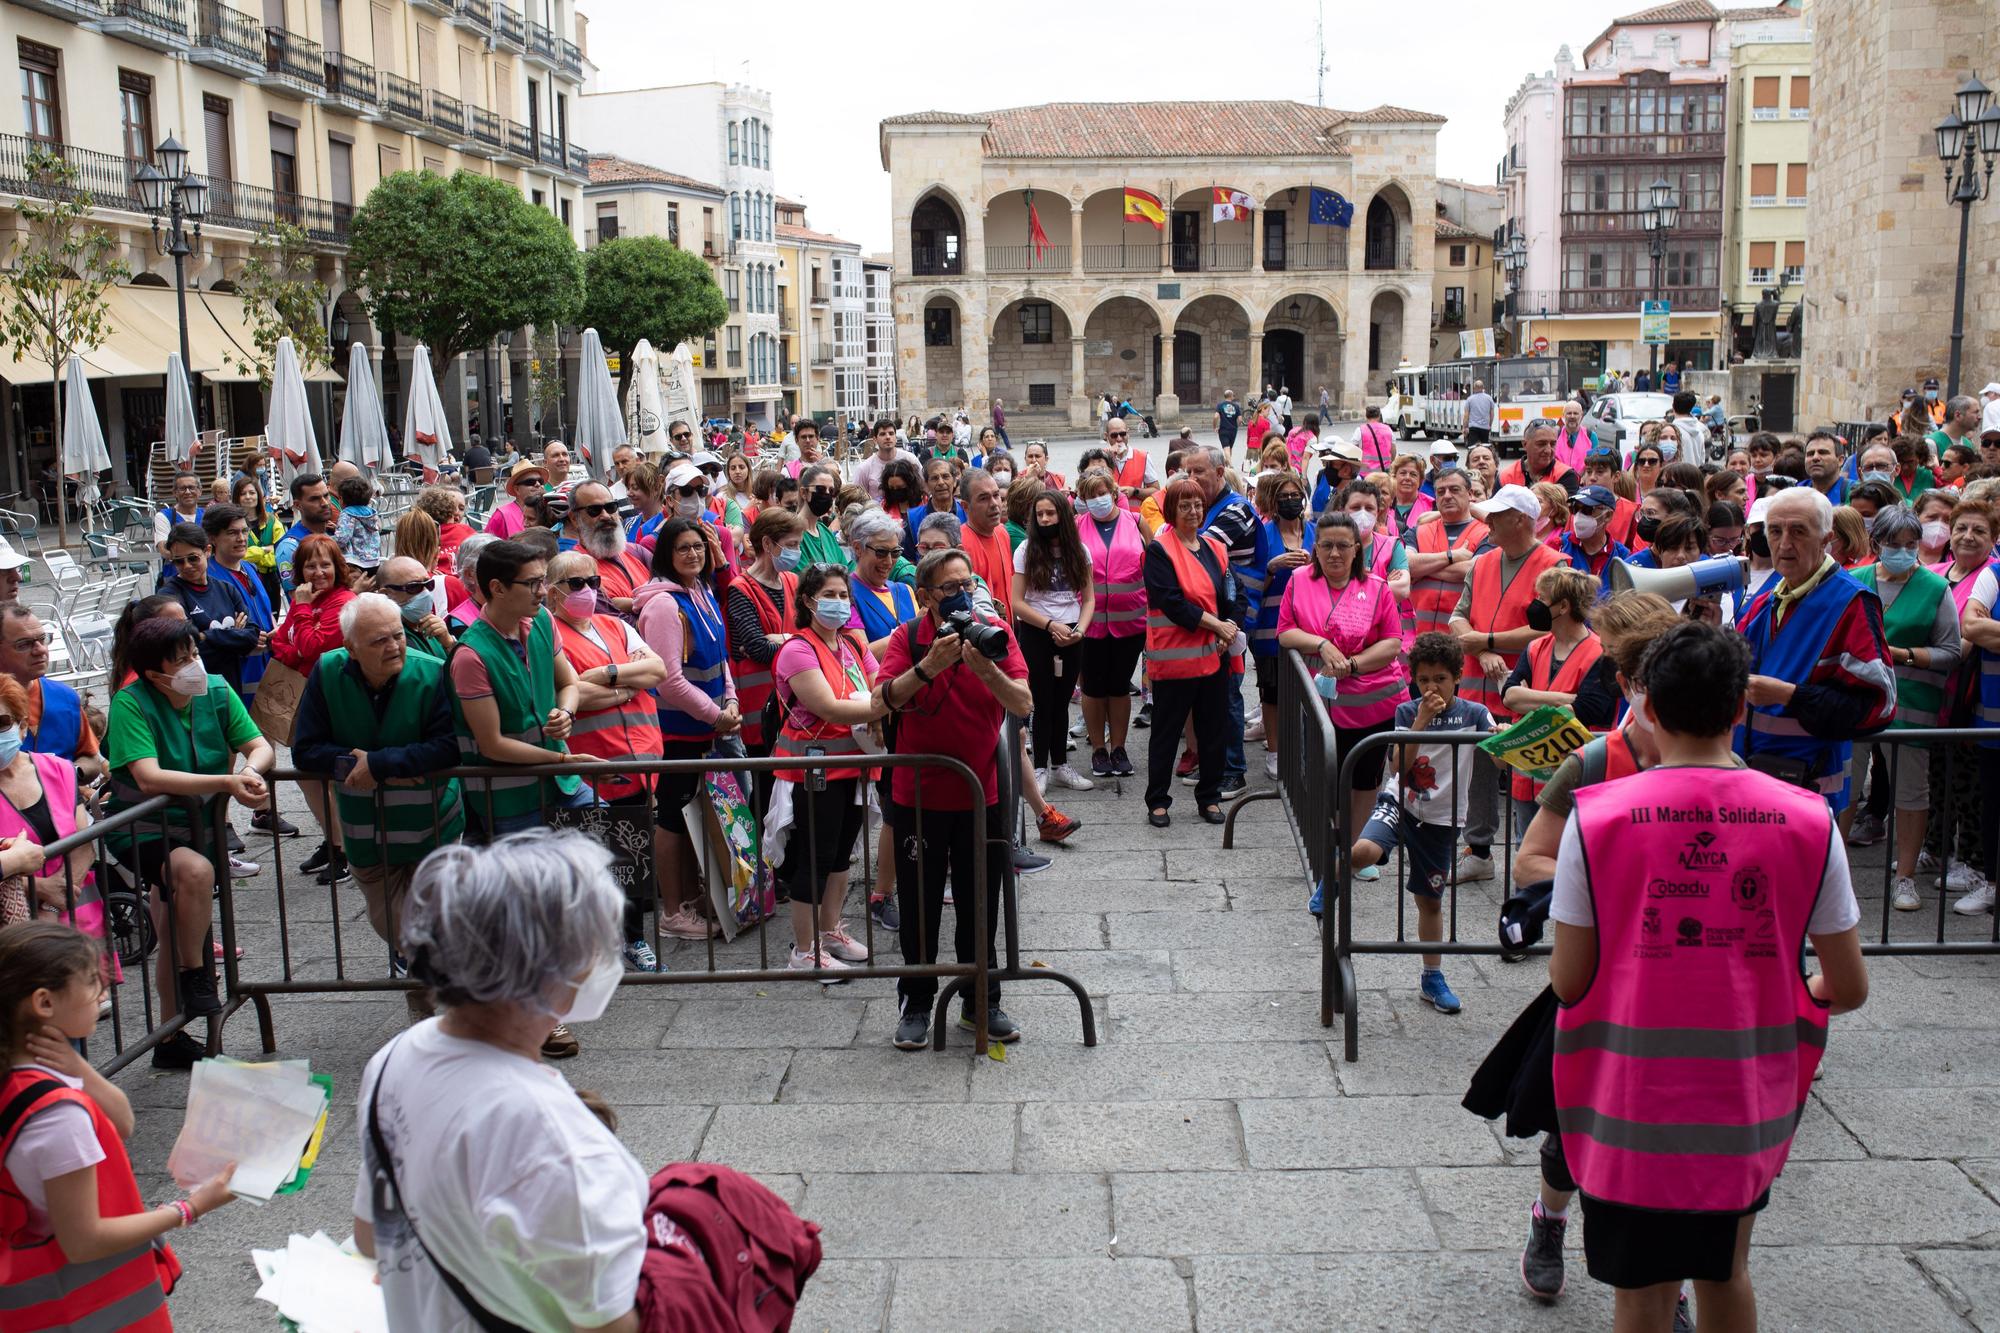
[[1882, 244], [1118, 352], [1014, 365], [1225, 356]]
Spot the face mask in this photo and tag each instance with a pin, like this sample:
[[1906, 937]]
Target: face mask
[[832, 611], [593, 993], [1899, 559], [1635, 701], [581, 604], [1877, 474], [1649, 527], [788, 557], [417, 607], [10, 745], [1930, 395], [894, 495], [1584, 526], [1540, 617], [1005, 479], [1669, 450], [1364, 522], [1935, 535], [820, 502], [1760, 545], [1291, 507], [190, 678], [959, 603], [1102, 507], [1049, 524], [688, 506]]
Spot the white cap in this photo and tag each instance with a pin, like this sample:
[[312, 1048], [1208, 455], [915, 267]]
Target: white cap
[[1344, 450], [1759, 507], [9, 557], [1992, 387], [684, 474], [1444, 447], [707, 459], [1517, 498]]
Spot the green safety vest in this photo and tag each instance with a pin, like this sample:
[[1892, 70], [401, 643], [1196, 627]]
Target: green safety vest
[[423, 643], [410, 827], [1907, 624], [197, 744], [524, 698]]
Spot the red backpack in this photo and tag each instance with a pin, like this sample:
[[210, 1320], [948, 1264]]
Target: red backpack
[[722, 1253]]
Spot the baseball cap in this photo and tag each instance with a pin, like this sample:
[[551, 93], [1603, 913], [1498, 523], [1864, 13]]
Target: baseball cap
[[1931, 383], [1517, 498], [707, 460], [9, 557], [1593, 497], [684, 474], [1759, 508], [1992, 387], [1444, 449]]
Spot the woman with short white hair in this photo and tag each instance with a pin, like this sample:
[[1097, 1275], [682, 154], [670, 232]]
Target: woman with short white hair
[[489, 1193]]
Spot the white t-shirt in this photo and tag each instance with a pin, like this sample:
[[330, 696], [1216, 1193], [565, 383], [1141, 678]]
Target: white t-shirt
[[519, 1190], [868, 472], [1985, 589], [1834, 911], [1058, 601], [54, 1141], [634, 642]]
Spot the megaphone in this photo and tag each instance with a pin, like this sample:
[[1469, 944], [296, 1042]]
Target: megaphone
[[1703, 578]]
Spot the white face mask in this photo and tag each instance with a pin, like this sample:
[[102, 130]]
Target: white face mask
[[190, 678], [1364, 522], [1102, 507], [1584, 526], [1935, 535], [1635, 700], [593, 993], [1004, 479]]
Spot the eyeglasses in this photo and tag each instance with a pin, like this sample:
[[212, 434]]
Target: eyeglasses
[[592, 582], [407, 589], [191, 559], [680, 437], [953, 588], [883, 552], [538, 584], [29, 645], [1116, 435], [595, 511], [692, 492], [698, 548]]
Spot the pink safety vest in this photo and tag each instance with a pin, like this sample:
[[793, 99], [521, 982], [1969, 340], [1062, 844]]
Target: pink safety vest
[[1681, 1072], [1359, 614], [58, 777], [1380, 549], [1378, 446], [1118, 575]]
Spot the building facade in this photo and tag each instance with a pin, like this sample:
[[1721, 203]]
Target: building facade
[[292, 111], [1273, 292], [1770, 131], [878, 337], [720, 132], [1882, 240], [821, 323], [1465, 265]]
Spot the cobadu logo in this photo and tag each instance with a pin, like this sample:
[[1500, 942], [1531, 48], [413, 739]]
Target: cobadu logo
[[1750, 889], [1675, 888], [1690, 930], [1701, 853]]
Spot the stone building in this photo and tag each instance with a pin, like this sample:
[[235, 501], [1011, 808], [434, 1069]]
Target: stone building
[[820, 308], [1172, 316], [1467, 265], [1882, 242]]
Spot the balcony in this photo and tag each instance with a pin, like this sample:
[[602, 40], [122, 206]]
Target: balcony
[[1694, 143], [1306, 257], [735, 355], [1625, 300], [518, 141], [350, 85], [823, 353], [569, 60], [1389, 256], [541, 45], [293, 66], [1022, 259], [818, 296], [159, 24], [1531, 303], [402, 98], [550, 152], [711, 247], [791, 374], [444, 116], [81, 10], [579, 167], [254, 208], [1453, 313], [482, 133], [1119, 259], [229, 40], [1613, 223], [1210, 257], [508, 29], [440, 7], [474, 14]]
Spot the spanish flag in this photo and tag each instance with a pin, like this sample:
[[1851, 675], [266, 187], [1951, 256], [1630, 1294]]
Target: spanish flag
[[1143, 207]]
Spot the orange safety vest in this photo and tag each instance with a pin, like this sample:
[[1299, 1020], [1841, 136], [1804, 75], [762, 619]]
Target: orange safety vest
[[992, 559], [1173, 653], [621, 576], [1495, 610], [40, 1289], [626, 731], [1132, 472], [1516, 473], [753, 681], [1432, 600], [1541, 655], [1624, 525], [827, 737]]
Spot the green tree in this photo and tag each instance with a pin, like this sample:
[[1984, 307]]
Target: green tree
[[647, 287], [283, 298], [55, 294], [456, 262]]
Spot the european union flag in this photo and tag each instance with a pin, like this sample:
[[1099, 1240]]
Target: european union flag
[[1329, 209]]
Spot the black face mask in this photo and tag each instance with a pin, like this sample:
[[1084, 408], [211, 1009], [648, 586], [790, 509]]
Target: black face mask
[[820, 502], [1760, 545], [1540, 618], [894, 495], [1649, 527], [1291, 507]]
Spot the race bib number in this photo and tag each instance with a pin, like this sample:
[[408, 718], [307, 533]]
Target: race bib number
[[1539, 742]]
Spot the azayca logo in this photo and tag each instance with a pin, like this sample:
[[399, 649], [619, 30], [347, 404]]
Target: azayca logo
[[1701, 853]]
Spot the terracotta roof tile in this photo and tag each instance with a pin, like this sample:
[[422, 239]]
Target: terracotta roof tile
[[789, 232], [1449, 228], [1167, 129], [1676, 11], [606, 169]]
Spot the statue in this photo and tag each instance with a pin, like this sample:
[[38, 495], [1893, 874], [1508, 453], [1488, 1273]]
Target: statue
[[1795, 330], [1764, 329]]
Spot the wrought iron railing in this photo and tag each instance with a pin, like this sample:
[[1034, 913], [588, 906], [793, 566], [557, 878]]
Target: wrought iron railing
[[293, 57], [230, 31], [1121, 259], [1305, 256], [165, 17], [508, 26], [348, 78], [477, 12], [402, 97], [444, 111], [541, 42], [520, 140], [482, 125]]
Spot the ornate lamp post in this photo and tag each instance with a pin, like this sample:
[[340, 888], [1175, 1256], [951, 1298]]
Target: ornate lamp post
[[1659, 217], [181, 198], [1971, 131], [1514, 259]]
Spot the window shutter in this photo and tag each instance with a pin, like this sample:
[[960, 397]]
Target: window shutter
[[1801, 91], [1763, 179], [1795, 254], [1795, 180], [215, 128], [1764, 92], [1763, 253]]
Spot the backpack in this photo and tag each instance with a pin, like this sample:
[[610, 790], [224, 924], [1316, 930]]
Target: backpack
[[723, 1254]]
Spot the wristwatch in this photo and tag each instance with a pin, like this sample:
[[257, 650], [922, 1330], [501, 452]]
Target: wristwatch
[[612, 667]]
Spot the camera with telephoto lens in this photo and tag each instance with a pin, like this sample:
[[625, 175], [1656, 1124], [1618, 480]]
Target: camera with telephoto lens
[[989, 641]]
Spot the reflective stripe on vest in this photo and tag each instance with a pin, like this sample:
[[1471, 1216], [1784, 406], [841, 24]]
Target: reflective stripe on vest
[[1432, 600], [1117, 573], [1497, 610], [1907, 623], [1173, 653], [753, 679], [704, 652], [1800, 647], [792, 741], [630, 730]]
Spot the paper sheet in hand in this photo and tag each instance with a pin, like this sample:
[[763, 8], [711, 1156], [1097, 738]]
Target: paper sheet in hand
[[258, 1116], [321, 1287]]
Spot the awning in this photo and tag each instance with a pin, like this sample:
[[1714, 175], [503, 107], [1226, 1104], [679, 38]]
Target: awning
[[145, 325]]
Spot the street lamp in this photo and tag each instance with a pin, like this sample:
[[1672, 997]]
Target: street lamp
[[1661, 214], [1971, 130], [183, 199], [1514, 259]]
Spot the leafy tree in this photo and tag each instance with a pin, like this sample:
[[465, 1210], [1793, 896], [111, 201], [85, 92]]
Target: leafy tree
[[283, 298], [455, 262], [545, 374], [647, 287], [55, 302]]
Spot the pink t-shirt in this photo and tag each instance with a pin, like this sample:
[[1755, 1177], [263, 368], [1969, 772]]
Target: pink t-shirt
[[507, 521], [1361, 613], [797, 656]]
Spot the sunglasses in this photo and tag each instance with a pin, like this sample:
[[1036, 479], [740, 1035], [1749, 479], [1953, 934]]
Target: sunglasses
[[407, 589], [680, 437], [595, 511], [592, 582]]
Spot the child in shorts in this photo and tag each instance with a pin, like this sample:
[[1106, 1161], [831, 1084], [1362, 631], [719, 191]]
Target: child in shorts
[[1422, 802]]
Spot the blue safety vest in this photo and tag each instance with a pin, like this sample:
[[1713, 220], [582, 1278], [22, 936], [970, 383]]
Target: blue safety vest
[[1792, 654], [879, 615], [704, 662], [62, 720]]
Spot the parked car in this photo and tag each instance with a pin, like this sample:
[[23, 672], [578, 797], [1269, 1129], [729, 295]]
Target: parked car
[[1614, 419]]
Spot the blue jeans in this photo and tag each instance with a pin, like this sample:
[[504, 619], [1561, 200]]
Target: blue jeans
[[505, 824], [1232, 753]]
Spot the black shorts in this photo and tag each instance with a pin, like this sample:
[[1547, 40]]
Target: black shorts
[[1368, 773], [1108, 664], [1477, 435], [1268, 671], [825, 825], [1638, 1247]]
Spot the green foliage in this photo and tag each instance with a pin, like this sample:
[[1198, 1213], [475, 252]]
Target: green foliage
[[54, 297], [647, 287], [456, 262], [545, 371], [283, 298]]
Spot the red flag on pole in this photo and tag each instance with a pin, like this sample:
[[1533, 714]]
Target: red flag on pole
[[1037, 238]]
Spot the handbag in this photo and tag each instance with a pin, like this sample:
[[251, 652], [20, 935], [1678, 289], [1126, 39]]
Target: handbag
[[275, 706]]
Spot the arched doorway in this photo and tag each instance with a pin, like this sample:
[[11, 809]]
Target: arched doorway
[[944, 370], [1302, 348], [1386, 230], [1211, 351], [1385, 334], [1028, 356], [1121, 350], [937, 237]]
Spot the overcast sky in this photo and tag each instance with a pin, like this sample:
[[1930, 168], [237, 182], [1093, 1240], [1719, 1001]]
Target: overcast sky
[[835, 70]]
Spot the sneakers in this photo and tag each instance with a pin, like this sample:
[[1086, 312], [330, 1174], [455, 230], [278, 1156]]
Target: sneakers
[[1471, 868], [843, 946], [242, 869], [1145, 717], [822, 962], [999, 1027], [1369, 874], [1233, 785], [1437, 994], [1076, 728], [1027, 862], [561, 1044], [179, 1051], [1926, 863], [1254, 731], [1041, 779], [913, 1029], [1962, 878], [268, 822], [1542, 1258], [1975, 902], [1271, 767], [1054, 826], [317, 861], [639, 957], [1683, 1314], [1184, 769], [335, 871], [198, 994], [1068, 777], [687, 924], [1905, 898], [887, 916], [1866, 831], [1100, 763], [1121, 763]]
